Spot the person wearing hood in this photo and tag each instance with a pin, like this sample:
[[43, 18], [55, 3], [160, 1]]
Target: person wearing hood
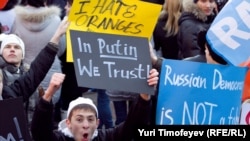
[[197, 16], [35, 24], [81, 123]]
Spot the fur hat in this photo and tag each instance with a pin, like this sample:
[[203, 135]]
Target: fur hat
[[81, 100], [12, 38]]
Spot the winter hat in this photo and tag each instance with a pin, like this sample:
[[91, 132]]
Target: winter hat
[[62, 126], [81, 100], [195, 1], [12, 38]]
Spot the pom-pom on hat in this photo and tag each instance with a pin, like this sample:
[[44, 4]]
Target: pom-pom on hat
[[12, 38], [78, 101]]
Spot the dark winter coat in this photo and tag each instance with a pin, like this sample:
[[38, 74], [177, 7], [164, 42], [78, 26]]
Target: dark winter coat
[[42, 129], [168, 45], [26, 84], [191, 22]]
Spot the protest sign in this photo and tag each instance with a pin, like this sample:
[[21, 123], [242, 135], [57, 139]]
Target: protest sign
[[192, 93], [124, 17], [229, 34], [108, 61], [13, 122]]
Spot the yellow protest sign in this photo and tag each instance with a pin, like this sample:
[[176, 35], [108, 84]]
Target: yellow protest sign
[[121, 17]]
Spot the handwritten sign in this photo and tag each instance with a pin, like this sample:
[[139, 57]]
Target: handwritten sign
[[229, 34], [120, 17], [111, 61], [192, 93], [13, 123]]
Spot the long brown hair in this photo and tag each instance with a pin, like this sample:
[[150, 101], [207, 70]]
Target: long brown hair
[[173, 9]]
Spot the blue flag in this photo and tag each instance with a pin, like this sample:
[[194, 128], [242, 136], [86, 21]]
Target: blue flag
[[229, 34]]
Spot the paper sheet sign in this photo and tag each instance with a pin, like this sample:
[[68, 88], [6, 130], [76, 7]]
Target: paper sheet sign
[[122, 17]]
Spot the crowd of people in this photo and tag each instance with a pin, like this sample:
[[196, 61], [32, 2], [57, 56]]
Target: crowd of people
[[33, 65]]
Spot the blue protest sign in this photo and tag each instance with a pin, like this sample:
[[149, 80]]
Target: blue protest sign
[[229, 34], [192, 93]]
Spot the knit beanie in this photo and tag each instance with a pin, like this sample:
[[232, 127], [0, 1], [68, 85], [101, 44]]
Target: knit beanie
[[81, 100], [12, 38]]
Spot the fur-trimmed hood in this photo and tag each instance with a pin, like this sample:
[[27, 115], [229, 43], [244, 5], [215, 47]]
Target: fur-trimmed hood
[[190, 7], [36, 19]]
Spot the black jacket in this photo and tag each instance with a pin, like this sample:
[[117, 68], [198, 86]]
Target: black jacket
[[42, 130], [26, 84], [168, 45], [192, 22]]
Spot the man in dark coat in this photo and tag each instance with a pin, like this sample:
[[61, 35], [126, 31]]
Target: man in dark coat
[[26, 84], [82, 117]]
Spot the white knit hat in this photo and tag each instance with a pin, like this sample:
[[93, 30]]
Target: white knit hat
[[12, 38], [81, 100]]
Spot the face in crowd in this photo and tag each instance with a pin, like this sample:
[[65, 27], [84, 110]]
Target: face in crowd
[[12, 53], [207, 6], [12, 49], [82, 119]]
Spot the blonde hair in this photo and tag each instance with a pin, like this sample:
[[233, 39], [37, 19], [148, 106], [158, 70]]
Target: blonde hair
[[173, 9]]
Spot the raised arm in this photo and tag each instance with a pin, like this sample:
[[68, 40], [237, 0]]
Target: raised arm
[[28, 82], [41, 125], [55, 83], [60, 31], [139, 113]]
